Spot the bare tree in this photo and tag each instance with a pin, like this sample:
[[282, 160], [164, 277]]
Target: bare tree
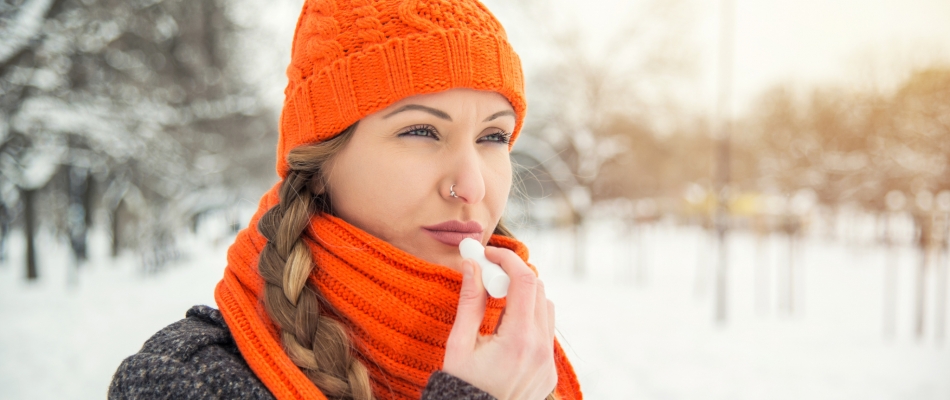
[[593, 109], [138, 106]]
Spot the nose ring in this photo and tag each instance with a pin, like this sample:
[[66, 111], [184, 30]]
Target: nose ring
[[452, 191]]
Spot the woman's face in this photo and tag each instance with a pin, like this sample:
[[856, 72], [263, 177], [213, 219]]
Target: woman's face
[[394, 177]]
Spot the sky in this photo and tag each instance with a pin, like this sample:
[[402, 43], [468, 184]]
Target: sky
[[804, 43], [845, 42], [854, 43]]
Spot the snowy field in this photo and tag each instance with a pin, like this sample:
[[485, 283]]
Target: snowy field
[[630, 335]]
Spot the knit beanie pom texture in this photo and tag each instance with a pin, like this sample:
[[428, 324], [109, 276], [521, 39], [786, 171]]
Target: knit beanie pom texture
[[351, 58]]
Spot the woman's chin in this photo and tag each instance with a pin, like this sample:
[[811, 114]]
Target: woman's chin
[[438, 253]]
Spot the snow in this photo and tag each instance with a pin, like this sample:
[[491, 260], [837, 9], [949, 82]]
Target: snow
[[26, 24], [652, 338], [659, 341], [68, 338]]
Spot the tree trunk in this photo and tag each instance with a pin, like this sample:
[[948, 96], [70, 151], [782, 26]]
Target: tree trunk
[[923, 246], [631, 250], [88, 199], [28, 197], [702, 261], [790, 299], [579, 250], [194, 222], [4, 228], [761, 280], [723, 165], [114, 221], [642, 255], [890, 283], [78, 212], [940, 323], [722, 275], [921, 297]]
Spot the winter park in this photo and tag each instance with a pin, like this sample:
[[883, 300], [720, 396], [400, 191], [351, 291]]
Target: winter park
[[724, 200]]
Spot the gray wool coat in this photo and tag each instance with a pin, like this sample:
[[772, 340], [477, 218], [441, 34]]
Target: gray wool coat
[[196, 358]]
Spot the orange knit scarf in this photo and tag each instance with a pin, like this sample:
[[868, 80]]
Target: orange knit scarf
[[399, 308]]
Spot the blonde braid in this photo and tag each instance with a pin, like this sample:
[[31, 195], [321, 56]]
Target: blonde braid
[[317, 344]]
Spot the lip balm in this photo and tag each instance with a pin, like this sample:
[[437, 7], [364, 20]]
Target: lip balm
[[494, 278]]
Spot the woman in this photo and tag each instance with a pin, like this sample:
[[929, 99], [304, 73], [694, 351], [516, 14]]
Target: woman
[[348, 283]]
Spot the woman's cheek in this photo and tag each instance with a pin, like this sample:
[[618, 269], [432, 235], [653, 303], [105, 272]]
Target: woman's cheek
[[498, 185], [408, 182]]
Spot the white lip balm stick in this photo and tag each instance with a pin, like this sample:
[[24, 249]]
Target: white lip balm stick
[[494, 278]]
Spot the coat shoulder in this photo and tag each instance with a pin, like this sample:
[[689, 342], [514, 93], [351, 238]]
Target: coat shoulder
[[194, 358], [197, 358]]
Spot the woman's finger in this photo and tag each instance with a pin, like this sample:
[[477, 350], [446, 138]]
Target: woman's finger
[[471, 309], [550, 319], [541, 309], [522, 291]]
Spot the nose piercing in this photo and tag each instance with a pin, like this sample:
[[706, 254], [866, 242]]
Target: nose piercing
[[452, 191]]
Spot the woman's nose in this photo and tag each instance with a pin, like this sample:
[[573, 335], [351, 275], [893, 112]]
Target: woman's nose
[[466, 178]]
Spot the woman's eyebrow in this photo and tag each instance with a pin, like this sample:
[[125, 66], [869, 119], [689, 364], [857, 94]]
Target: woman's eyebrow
[[501, 114], [419, 107]]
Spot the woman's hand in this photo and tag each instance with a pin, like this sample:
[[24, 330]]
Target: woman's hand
[[517, 362]]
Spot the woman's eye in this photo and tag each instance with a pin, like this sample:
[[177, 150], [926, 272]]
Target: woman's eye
[[420, 130], [498, 137]]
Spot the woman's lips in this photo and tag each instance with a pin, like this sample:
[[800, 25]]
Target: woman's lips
[[453, 238], [453, 232]]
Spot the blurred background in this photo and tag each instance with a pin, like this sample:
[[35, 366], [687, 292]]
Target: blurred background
[[728, 199]]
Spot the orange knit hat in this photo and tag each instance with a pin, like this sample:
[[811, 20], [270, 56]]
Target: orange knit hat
[[351, 58]]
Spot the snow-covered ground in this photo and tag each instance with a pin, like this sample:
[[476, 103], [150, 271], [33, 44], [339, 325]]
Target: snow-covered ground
[[628, 338]]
